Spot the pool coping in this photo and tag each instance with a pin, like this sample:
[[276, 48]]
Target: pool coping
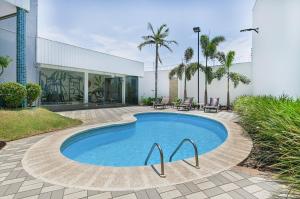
[[45, 161]]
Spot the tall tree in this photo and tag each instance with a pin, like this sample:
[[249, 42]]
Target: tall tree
[[184, 69], [209, 50], [227, 60], [158, 39], [4, 63]]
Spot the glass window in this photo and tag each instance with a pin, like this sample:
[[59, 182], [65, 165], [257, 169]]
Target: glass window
[[105, 89], [132, 94], [61, 87]]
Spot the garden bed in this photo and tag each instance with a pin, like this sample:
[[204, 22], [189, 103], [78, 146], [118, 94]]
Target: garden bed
[[274, 125]]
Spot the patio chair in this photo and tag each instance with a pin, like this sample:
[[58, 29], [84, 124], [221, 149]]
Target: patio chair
[[186, 104], [162, 104], [213, 105]]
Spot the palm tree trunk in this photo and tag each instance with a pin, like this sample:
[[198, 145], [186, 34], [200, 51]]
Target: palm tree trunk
[[156, 70], [205, 92], [185, 93], [228, 96]]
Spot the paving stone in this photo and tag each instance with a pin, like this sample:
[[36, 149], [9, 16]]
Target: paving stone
[[206, 185], [245, 194], [30, 187], [170, 194], [25, 194], [13, 188], [229, 187], [8, 197], [71, 190], [222, 196], [153, 194], [183, 189], [165, 189], [105, 195], [120, 193], [200, 180], [51, 188], [243, 183], [58, 194], [3, 189], [45, 195], [142, 195], [13, 175], [192, 187], [76, 195], [235, 195], [253, 188], [12, 181], [263, 194], [213, 191], [91, 193], [128, 196], [198, 195]]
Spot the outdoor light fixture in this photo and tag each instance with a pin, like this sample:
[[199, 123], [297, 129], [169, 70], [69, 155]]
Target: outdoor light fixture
[[197, 30], [250, 29]]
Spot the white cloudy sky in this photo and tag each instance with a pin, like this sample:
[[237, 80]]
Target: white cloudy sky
[[116, 26]]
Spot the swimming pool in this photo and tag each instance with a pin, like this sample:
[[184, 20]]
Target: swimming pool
[[128, 145]]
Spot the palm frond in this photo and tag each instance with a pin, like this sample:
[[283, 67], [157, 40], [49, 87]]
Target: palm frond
[[220, 72], [236, 78], [167, 47], [150, 27], [145, 43], [188, 54], [221, 57], [217, 40], [229, 59], [204, 42], [161, 29], [173, 72]]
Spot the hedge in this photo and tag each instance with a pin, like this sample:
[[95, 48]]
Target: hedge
[[12, 94]]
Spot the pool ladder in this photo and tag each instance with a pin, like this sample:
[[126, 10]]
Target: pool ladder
[[161, 153]]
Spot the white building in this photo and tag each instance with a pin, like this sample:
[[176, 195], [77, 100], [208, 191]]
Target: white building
[[275, 66]]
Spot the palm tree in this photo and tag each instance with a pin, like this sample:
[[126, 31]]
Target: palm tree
[[184, 69], [157, 39], [4, 63], [209, 50], [224, 70]]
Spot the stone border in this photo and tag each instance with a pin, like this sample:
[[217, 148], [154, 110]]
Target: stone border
[[45, 161]]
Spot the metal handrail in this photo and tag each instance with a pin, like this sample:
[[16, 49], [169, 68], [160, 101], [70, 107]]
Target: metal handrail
[[162, 165], [195, 149]]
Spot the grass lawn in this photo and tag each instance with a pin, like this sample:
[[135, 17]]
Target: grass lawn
[[16, 124]]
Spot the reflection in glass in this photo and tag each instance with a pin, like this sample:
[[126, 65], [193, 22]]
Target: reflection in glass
[[61, 87], [132, 90], [105, 89]]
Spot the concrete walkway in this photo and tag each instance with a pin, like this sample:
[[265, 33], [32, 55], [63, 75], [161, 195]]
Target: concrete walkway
[[235, 183]]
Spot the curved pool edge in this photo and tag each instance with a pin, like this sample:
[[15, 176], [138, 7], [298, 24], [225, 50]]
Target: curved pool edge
[[44, 161]]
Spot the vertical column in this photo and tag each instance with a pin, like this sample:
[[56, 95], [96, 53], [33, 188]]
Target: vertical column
[[21, 45], [124, 90], [86, 87]]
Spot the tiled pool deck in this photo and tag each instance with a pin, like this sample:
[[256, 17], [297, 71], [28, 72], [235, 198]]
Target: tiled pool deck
[[235, 182]]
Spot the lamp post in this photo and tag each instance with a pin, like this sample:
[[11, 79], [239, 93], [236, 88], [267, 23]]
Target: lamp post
[[197, 30]]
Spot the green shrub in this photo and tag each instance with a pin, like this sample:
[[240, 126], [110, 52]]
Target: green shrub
[[274, 125], [33, 92], [12, 94], [148, 101]]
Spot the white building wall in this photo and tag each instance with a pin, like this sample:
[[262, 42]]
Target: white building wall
[[216, 89], [276, 49], [148, 83], [25, 4], [61, 54]]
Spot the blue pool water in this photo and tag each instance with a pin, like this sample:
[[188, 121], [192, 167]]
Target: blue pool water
[[129, 144]]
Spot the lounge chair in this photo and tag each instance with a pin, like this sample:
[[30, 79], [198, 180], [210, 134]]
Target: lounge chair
[[162, 104], [186, 104], [213, 105]]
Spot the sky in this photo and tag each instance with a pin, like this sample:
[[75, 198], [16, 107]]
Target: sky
[[116, 26]]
